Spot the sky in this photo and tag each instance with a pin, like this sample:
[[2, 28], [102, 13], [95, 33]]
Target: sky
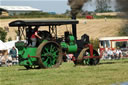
[[58, 6]]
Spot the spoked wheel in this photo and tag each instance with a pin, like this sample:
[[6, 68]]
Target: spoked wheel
[[49, 54], [91, 61]]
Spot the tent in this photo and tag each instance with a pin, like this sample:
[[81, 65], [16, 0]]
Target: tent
[[2, 46], [3, 52], [10, 44]]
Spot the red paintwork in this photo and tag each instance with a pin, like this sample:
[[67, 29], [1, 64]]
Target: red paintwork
[[91, 52], [91, 49], [120, 40]]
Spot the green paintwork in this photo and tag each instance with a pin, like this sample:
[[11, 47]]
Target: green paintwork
[[49, 54], [72, 39], [26, 54], [71, 46], [64, 45]]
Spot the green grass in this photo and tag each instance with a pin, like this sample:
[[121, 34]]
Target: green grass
[[106, 73]]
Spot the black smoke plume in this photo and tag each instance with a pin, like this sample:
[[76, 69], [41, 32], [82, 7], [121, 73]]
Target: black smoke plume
[[122, 5], [76, 6]]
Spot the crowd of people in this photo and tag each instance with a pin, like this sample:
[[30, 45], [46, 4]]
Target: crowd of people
[[109, 53], [9, 58]]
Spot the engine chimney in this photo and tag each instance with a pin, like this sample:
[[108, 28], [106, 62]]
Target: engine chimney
[[74, 30]]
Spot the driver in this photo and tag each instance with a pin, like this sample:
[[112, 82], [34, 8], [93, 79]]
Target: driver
[[34, 35]]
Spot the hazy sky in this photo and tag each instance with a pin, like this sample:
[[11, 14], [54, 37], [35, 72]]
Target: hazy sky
[[58, 6]]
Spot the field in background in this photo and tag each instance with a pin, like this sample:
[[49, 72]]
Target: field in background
[[94, 28], [106, 73]]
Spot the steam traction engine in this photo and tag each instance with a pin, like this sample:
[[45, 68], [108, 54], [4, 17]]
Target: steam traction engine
[[51, 50]]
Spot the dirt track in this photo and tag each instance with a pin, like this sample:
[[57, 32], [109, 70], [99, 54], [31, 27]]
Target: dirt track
[[94, 28]]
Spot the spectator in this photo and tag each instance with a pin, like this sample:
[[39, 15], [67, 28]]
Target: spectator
[[70, 57], [13, 53], [114, 54], [101, 51], [105, 18], [110, 54], [105, 56], [9, 61], [119, 53]]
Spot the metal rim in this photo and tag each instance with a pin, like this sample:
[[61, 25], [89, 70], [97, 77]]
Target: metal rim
[[49, 54]]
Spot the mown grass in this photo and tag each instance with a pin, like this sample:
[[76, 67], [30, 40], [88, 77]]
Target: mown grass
[[106, 73]]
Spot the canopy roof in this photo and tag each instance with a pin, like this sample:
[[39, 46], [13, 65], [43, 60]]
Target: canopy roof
[[41, 22]]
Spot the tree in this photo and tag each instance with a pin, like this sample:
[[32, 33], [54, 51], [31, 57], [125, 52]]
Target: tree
[[102, 6], [3, 34], [95, 43]]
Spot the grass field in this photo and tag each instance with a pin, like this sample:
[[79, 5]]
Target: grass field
[[106, 73]]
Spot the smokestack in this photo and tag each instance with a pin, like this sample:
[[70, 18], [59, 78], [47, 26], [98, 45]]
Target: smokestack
[[76, 6]]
